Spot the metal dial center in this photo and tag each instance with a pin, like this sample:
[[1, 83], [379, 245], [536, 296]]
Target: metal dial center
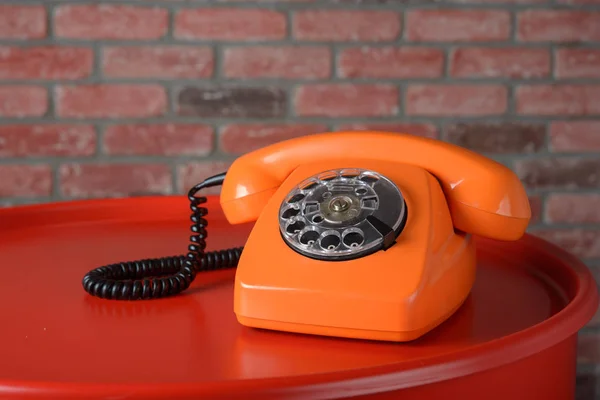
[[339, 204]]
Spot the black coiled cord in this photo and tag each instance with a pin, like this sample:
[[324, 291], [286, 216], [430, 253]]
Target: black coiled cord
[[167, 276]]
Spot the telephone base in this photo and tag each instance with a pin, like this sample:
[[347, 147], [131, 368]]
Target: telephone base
[[348, 333], [397, 294]]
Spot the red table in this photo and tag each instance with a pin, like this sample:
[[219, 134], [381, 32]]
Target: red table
[[528, 303]]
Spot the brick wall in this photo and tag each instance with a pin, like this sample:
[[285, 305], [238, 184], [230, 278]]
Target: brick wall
[[148, 97], [129, 98]]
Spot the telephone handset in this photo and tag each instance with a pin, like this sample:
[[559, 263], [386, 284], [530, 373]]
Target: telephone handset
[[356, 234]]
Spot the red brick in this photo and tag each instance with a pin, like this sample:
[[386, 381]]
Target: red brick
[[417, 129], [498, 137], [556, 99], [25, 180], [391, 62], [110, 100], [456, 100], [47, 140], [51, 62], [23, 101], [595, 322], [242, 138], [158, 139], [457, 25], [337, 100], [277, 62], [230, 24], [573, 208], [114, 180], [585, 381], [588, 351], [583, 243], [346, 25], [575, 136], [260, 101], [558, 26], [482, 62], [190, 174], [564, 173], [577, 63], [108, 21], [158, 62], [22, 21]]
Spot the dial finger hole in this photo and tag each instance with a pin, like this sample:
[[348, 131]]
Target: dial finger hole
[[350, 173], [296, 198], [328, 176], [368, 178], [309, 237], [308, 185], [289, 213], [330, 241], [361, 191], [295, 227], [353, 239]]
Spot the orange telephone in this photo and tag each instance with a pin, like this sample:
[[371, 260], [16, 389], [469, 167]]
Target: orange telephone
[[357, 234]]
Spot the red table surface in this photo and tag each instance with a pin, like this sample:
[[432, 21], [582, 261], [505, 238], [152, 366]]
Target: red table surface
[[56, 339]]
